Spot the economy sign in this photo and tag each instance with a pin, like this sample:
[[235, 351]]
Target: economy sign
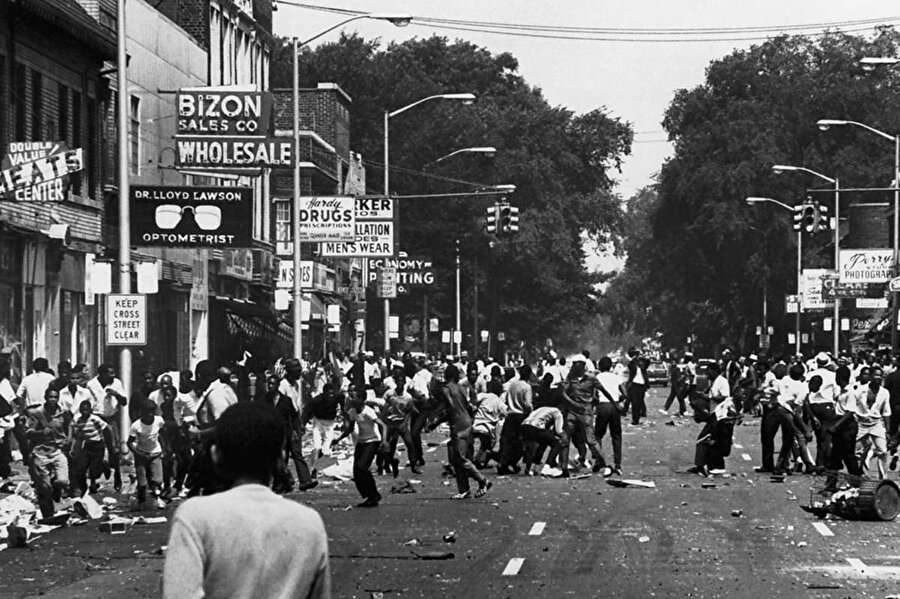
[[327, 218], [866, 266], [191, 217], [411, 271]]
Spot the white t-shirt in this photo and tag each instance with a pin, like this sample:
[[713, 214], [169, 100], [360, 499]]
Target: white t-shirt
[[292, 392], [33, 387], [105, 405], [827, 393], [872, 416], [610, 382], [720, 388], [70, 402], [367, 429], [147, 435], [244, 543], [791, 393]]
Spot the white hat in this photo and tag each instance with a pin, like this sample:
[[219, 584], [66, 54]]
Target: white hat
[[822, 358], [753, 357], [578, 358]]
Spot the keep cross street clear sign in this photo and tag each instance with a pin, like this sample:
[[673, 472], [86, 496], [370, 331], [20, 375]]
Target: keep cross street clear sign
[[126, 319]]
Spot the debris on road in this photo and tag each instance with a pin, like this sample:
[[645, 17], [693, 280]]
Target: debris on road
[[631, 482], [737, 513], [450, 537], [404, 487], [644, 540], [412, 543]]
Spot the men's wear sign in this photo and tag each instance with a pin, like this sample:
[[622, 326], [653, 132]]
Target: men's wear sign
[[372, 238], [866, 266], [126, 319], [191, 217], [327, 218]]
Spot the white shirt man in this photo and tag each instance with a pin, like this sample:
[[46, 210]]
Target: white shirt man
[[720, 389], [828, 391], [33, 387], [105, 404]]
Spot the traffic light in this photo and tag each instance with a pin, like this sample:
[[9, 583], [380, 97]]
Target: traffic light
[[512, 220], [493, 218], [798, 216], [823, 222], [810, 217]]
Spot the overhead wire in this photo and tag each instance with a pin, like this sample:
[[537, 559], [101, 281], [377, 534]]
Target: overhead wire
[[613, 34]]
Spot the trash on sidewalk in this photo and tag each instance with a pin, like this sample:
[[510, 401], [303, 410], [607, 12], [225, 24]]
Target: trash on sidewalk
[[18, 534], [412, 543], [404, 487], [12, 507], [708, 485], [116, 526], [450, 537], [24, 489], [342, 470], [643, 539], [737, 513], [87, 507], [631, 482], [434, 555], [151, 520]]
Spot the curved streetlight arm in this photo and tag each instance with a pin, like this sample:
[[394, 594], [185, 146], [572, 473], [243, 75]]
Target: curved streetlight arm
[[398, 20], [778, 168], [751, 201], [488, 150], [824, 124], [465, 97]]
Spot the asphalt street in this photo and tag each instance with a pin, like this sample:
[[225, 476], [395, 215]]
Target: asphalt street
[[735, 536]]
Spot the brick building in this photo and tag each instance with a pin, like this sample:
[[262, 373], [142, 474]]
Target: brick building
[[52, 89]]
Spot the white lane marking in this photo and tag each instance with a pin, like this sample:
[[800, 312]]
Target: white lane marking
[[746, 457], [513, 567], [738, 446], [823, 529], [537, 529], [859, 566]]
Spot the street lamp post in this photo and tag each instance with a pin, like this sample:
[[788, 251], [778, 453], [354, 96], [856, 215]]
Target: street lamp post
[[398, 20], [824, 125], [465, 98], [123, 99], [780, 168], [751, 201], [486, 150]]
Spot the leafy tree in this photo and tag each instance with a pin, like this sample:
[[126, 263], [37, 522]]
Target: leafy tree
[[707, 258], [561, 164]]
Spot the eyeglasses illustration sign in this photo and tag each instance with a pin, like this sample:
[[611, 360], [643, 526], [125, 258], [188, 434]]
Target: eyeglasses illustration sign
[[191, 217]]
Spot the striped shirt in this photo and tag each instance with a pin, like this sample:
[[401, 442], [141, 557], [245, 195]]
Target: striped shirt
[[88, 429]]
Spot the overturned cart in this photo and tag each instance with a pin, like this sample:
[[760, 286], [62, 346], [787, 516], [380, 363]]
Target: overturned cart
[[854, 497]]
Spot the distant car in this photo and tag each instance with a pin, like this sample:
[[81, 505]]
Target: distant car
[[657, 374]]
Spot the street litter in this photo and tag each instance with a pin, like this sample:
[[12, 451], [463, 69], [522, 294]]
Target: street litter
[[152, 520], [435, 555], [450, 537], [630, 482], [116, 526], [341, 470], [644, 540], [413, 543], [87, 507], [737, 513], [404, 487], [708, 485]]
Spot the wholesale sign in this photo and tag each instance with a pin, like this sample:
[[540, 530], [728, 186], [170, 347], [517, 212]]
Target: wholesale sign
[[191, 217], [327, 218], [866, 266], [232, 152]]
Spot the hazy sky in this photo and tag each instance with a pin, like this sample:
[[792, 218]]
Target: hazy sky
[[634, 80]]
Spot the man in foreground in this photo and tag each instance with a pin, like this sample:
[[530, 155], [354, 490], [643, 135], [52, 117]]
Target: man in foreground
[[247, 541]]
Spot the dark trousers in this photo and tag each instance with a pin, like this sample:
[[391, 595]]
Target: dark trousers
[[511, 446], [676, 393], [583, 425], [395, 431], [826, 416], [87, 463], [536, 441], [715, 445], [460, 450], [636, 395], [609, 418], [363, 456], [773, 419], [416, 425], [843, 449], [5, 455]]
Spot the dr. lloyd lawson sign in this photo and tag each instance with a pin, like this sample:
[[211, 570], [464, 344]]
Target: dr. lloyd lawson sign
[[191, 217], [866, 266]]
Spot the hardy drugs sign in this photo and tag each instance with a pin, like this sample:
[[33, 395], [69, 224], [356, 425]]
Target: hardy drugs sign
[[327, 218], [126, 319]]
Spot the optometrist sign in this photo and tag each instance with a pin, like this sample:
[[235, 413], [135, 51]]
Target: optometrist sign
[[191, 217]]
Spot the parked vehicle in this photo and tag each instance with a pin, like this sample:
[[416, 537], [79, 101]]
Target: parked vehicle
[[657, 374]]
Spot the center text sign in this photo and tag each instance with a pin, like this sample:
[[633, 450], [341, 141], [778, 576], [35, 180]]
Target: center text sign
[[866, 266], [126, 319]]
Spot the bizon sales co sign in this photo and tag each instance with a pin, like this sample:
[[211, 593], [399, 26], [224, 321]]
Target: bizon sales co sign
[[191, 217]]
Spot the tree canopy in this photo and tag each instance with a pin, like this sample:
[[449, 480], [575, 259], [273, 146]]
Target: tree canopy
[[698, 258], [562, 164]]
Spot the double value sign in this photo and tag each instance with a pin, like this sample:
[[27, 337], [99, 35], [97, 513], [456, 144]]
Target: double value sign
[[191, 217], [38, 171], [227, 129]]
